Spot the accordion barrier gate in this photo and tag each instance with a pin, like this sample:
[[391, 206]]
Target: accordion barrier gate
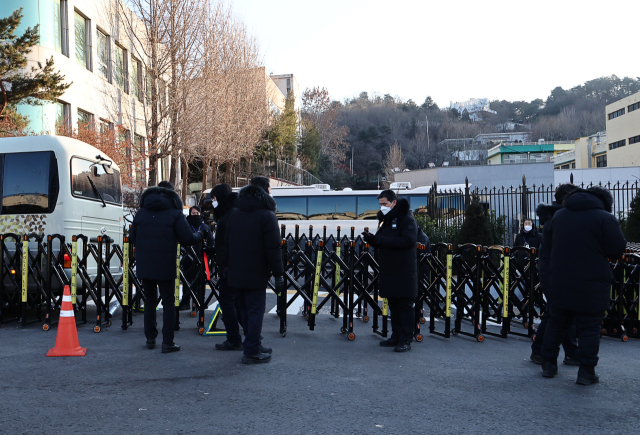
[[463, 291]]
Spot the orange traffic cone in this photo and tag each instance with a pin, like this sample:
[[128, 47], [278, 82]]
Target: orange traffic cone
[[67, 339]]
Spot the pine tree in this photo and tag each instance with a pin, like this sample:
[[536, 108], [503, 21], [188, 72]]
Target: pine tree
[[476, 227], [17, 83]]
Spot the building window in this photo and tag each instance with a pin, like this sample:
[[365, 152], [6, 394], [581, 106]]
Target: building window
[[51, 24], [148, 87], [136, 79], [601, 161], [138, 152], [618, 144], [510, 159], [103, 55], [63, 118], [163, 94], [84, 118], [565, 166], [633, 107], [573, 165], [83, 51], [288, 86], [634, 139], [105, 126], [121, 68], [617, 113]]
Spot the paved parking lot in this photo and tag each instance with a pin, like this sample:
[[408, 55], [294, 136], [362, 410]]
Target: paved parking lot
[[318, 382]]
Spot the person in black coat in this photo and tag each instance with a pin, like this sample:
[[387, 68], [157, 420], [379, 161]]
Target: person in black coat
[[252, 254], [583, 237], [396, 241], [191, 265], [569, 343], [224, 203], [529, 237], [157, 229]]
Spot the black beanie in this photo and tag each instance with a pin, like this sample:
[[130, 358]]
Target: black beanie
[[196, 207], [221, 191]]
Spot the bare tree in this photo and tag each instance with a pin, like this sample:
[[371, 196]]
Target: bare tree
[[393, 162]]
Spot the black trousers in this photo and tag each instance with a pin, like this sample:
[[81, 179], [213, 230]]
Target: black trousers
[[569, 342], [588, 328], [251, 304], [227, 303], [167, 289], [402, 319]]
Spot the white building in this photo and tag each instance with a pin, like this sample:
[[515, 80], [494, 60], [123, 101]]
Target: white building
[[474, 107]]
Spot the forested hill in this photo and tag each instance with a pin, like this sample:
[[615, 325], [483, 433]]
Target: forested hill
[[376, 122]]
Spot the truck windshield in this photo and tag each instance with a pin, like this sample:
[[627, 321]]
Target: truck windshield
[[29, 182], [107, 184]]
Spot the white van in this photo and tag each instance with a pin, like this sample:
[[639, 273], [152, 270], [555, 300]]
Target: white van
[[58, 185]]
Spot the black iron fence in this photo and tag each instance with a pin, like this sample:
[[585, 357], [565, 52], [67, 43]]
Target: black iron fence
[[476, 291], [507, 207]]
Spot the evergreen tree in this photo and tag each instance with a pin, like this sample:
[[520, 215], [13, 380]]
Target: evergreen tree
[[309, 148], [476, 227], [631, 228], [17, 83], [282, 135]]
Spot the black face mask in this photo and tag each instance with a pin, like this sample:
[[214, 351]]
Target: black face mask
[[194, 220]]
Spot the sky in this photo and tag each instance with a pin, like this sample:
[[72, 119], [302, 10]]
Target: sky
[[450, 50]]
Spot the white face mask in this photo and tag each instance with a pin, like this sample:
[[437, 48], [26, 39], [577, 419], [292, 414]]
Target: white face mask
[[528, 228], [214, 203], [385, 209]]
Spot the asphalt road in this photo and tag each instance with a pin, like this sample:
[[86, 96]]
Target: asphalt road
[[318, 382]]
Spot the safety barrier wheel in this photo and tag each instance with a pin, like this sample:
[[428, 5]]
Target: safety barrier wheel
[[283, 334], [533, 337], [351, 336], [343, 330], [45, 327], [201, 331], [108, 323], [454, 331], [624, 338], [365, 319], [419, 337], [96, 329], [480, 338], [526, 325], [615, 330], [604, 331], [423, 320], [193, 314], [635, 330]]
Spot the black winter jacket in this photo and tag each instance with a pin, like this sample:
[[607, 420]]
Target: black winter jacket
[[582, 237], [197, 224], [157, 229], [221, 215], [532, 239], [545, 212], [395, 241], [252, 241]]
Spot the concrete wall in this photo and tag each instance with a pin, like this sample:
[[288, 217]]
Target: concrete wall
[[598, 175], [482, 176]]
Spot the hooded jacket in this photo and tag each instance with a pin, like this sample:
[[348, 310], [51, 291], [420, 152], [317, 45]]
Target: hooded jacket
[[582, 237], [395, 241], [157, 229], [545, 212], [252, 241], [221, 215]]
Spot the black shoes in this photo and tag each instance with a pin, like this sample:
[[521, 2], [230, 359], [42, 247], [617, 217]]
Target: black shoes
[[151, 343], [549, 369], [571, 361], [266, 350], [536, 358], [389, 343], [403, 347], [259, 358], [170, 347], [227, 345], [587, 376]]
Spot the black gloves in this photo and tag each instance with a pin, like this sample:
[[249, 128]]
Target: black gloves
[[210, 250], [279, 285], [369, 238]]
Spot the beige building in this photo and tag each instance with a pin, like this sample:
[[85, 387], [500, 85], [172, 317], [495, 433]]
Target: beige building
[[589, 152], [623, 132], [288, 83]]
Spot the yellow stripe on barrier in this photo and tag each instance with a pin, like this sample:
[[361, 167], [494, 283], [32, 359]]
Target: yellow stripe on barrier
[[25, 268], [125, 274], [177, 289], [316, 282], [449, 277], [505, 287], [385, 307], [74, 270], [337, 280]]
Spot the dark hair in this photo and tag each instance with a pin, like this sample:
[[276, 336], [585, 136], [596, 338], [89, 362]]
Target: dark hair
[[564, 190], [261, 181], [527, 219], [195, 207], [221, 191], [389, 195], [166, 185]]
